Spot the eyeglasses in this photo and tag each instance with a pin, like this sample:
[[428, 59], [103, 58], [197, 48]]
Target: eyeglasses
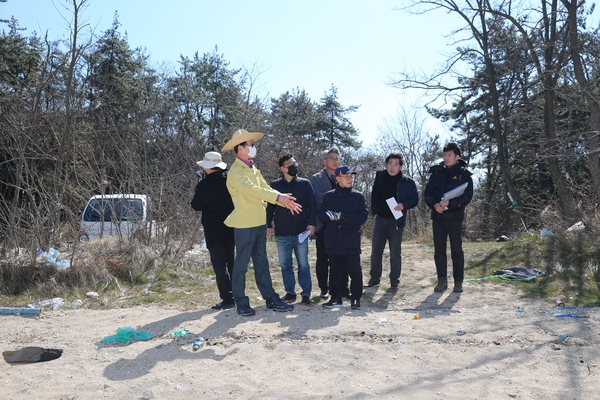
[[333, 158]]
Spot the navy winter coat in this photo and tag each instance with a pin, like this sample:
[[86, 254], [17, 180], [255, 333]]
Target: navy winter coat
[[444, 179], [286, 223], [343, 238], [406, 194]]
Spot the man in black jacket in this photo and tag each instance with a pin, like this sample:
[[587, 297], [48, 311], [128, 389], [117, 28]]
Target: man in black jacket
[[448, 214], [390, 184], [288, 226], [214, 200], [343, 211]]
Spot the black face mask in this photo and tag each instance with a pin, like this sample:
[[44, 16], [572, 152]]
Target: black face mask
[[292, 170]]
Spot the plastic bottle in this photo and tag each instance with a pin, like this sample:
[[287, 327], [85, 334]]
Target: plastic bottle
[[520, 308], [198, 343]]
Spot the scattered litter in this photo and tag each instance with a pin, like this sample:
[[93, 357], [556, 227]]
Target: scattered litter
[[55, 303], [125, 335], [502, 238], [92, 294], [520, 308], [579, 226], [563, 338], [561, 315], [460, 333], [560, 303], [198, 343], [51, 257], [180, 333], [519, 274], [416, 316], [31, 355], [19, 311], [382, 320], [545, 233], [76, 303]]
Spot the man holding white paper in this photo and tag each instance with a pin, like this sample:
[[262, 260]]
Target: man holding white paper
[[290, 229], [392, 196], [447, 200]]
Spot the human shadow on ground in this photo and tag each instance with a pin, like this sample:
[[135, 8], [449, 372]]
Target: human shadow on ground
[[431, 306], [382, 302], [294, 324]]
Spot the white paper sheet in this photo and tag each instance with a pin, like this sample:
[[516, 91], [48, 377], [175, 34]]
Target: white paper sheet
[[391, 204]]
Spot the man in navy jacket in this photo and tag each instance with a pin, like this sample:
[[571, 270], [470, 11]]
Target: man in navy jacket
[[390, 183], [288, 226], [448, 214], [343, 211]]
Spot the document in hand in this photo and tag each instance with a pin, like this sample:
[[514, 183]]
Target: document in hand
[[454, 193], [391, 202], [302, 236]]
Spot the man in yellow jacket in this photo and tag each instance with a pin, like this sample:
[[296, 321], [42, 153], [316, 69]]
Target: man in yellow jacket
[[250, 194]]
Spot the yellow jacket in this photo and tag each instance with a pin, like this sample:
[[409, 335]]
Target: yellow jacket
[[250, 194]]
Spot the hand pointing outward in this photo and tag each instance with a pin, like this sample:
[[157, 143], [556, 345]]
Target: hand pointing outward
[[290, 204]]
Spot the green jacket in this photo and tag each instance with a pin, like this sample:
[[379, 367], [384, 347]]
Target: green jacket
[[250, 194]]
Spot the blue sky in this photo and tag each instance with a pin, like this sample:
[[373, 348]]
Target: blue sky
[[355, 45]]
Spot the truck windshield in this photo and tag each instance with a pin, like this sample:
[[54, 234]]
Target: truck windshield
[[114, 209]]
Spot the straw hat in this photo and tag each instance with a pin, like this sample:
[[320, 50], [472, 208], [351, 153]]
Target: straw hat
[[240, 136], [212, 159]]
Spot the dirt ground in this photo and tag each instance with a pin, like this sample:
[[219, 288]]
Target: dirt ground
[[472, 345]]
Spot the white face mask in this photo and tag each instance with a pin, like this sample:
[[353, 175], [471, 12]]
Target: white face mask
[[252, 152]]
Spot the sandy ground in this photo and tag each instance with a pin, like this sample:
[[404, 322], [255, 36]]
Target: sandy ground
[[469, 346]]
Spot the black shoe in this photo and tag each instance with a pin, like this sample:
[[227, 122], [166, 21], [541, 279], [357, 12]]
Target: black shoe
[[372, 283], [458, 287], [333, 303], [355, 305], [395, 285], [324, 294], [306, 300], [224, 305], [289, 298], [276, 304], [246, 311], [441, 286]]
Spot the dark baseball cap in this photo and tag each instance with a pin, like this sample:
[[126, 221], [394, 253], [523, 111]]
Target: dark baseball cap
[[344, 170]]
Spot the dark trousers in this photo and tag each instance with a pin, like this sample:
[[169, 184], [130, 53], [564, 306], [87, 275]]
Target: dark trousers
[[386, 230], [443, 229], [222, 257], [342, 266], [322, 266]]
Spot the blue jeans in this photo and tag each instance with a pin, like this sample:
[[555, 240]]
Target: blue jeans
[[251, 243], [285, 245], [385, 230]]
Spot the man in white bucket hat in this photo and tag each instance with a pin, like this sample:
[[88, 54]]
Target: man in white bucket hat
[[251, 193], [214, 200]]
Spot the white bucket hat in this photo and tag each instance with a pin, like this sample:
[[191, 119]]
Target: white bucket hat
[[212, 159]]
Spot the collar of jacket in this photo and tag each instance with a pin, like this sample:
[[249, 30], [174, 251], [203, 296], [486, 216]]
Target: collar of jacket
[[341, 190]]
